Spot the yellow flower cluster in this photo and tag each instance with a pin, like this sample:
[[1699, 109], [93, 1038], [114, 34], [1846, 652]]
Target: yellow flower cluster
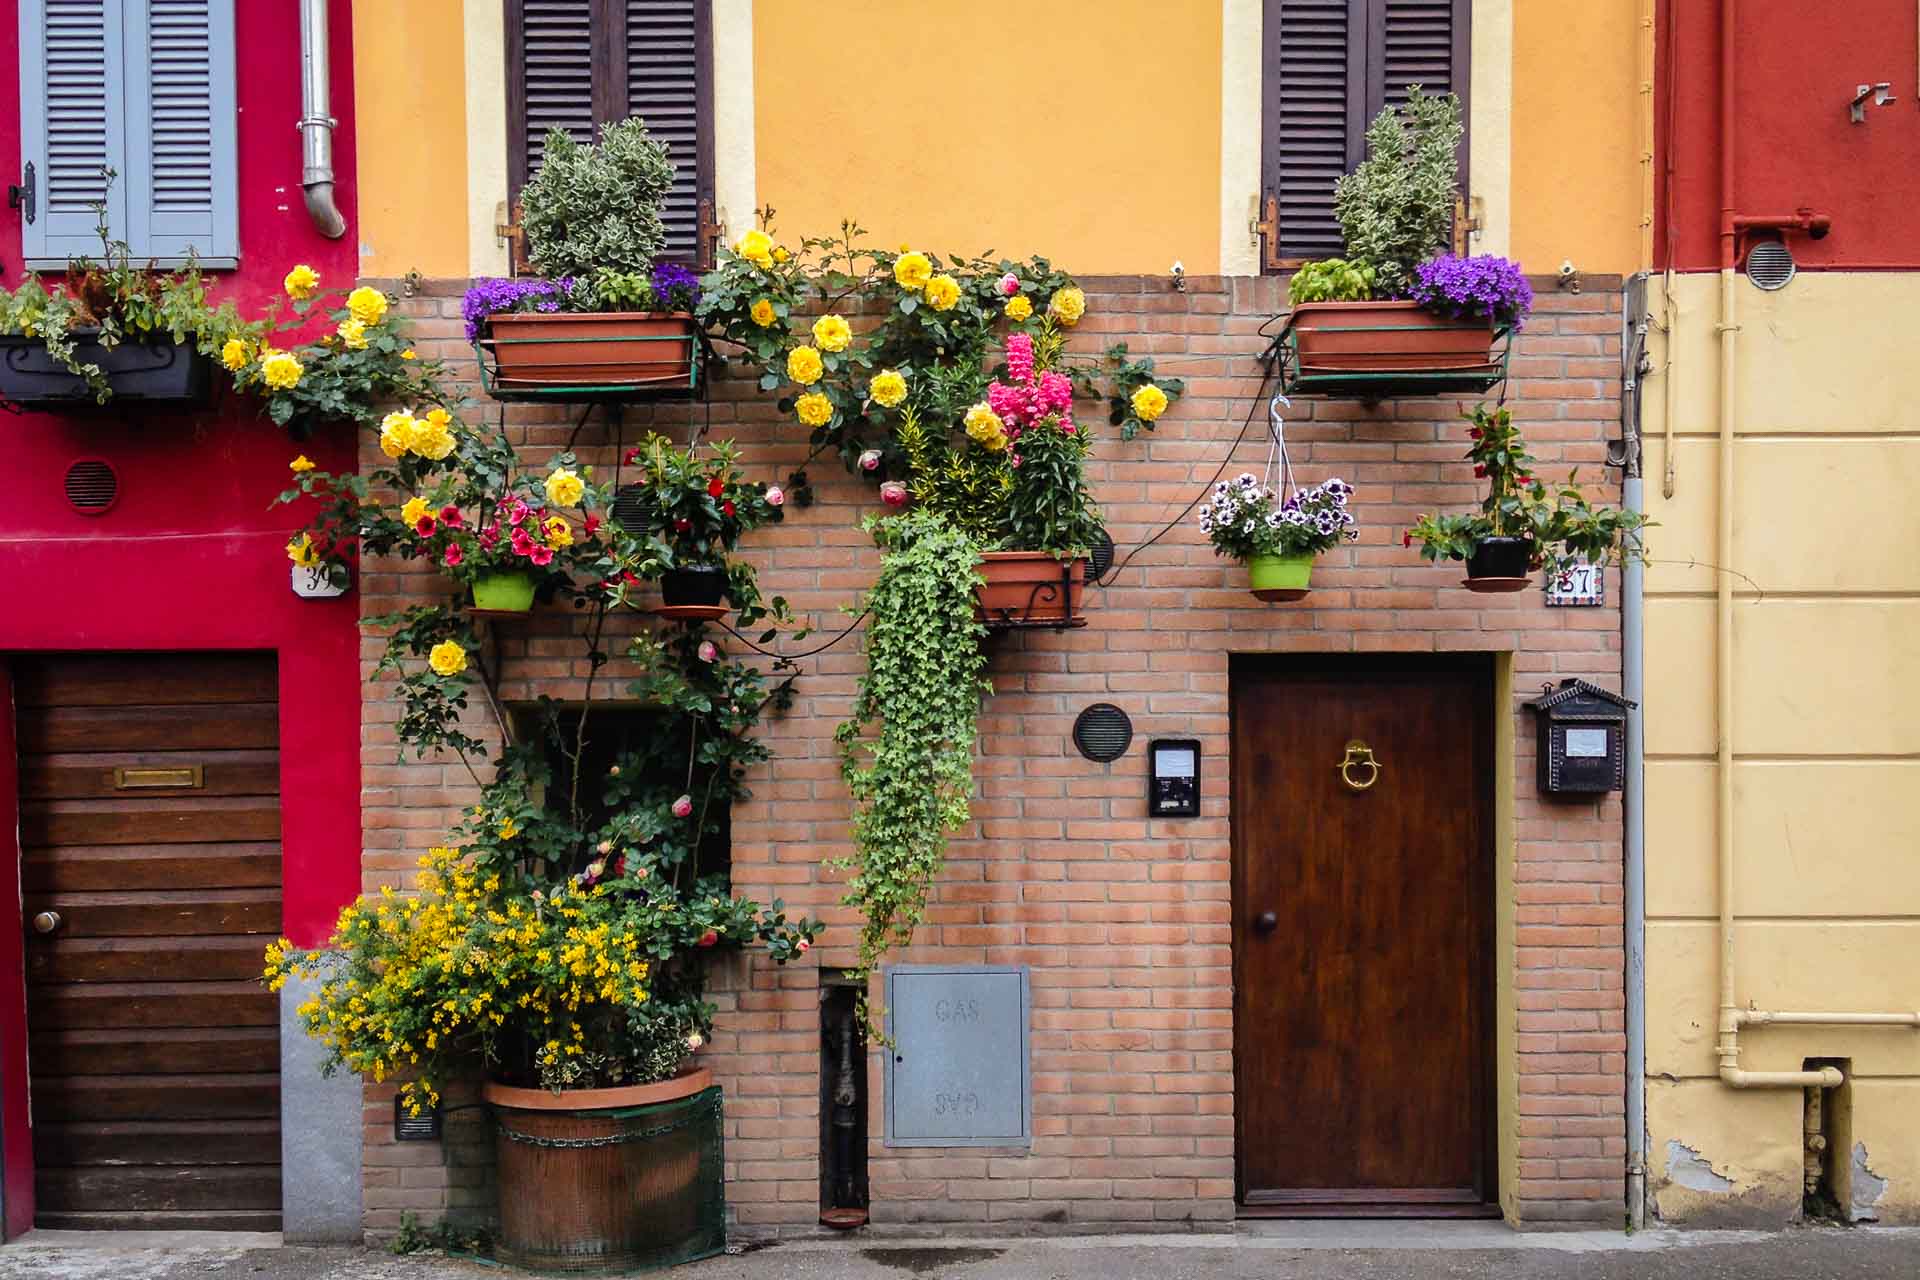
[[447, 658], [1018, 308], [301, 552], [352, 334], [565, 488], [430, 437], [912, 270], [986, 428], [756, 247], [803, 366], [280, 370], [367, 305], [762, 312], [234, 354], [814, 409], [301, 464], [1149, 402], [558, 532], [300, 282], [943, 291], [1068, 305], [888, 388], [414, 508], [831, 333]]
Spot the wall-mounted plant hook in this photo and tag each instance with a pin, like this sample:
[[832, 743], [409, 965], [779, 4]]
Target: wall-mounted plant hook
[[1881, 93]]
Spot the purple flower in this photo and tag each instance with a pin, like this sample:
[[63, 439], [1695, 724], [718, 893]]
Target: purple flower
[[491, 297], [1482, 287], [674, 287]]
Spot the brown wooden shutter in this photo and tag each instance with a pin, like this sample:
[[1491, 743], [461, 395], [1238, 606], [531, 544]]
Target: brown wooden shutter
[[580, 64], [1329, 67]]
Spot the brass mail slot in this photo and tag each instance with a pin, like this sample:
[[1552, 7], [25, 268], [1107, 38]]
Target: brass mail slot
[[159, 779]]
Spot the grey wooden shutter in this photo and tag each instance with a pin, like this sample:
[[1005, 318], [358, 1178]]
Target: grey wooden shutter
[[72, 123], [1315, 96], [181, 189], [551, 80], [665, 86]]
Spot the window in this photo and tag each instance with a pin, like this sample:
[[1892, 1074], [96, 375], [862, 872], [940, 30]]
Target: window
[[1329, 67], [146, 88], [580, 64]]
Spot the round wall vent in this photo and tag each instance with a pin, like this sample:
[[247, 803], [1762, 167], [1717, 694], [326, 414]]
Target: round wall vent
[[1770, 265], [92, 486], [1102, 732]]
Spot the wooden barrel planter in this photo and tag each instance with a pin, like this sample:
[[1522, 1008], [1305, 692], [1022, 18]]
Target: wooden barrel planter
[[159, 371], [599, 1181], [1030, 589], [588, 355]]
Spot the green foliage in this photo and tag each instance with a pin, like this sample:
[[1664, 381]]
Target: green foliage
[[353, 372], [1558, 520], [597, 207], [1396, 208], [697, 506], [907, 750], [1049, 505], [968, 487], [444, 1236], [1330, 280]]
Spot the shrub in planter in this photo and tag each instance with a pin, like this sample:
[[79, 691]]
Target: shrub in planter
[[1396, 207], [695, 507], [1523, 523], [1277, 540]]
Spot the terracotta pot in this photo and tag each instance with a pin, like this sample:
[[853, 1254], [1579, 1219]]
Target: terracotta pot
[[1024, 588], [1386, 337], [608, 1180], [592, 351]]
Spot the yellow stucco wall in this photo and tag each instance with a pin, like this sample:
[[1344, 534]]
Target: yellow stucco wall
[[1087, 130], [1577, 135], [410, 106], [1826, 735]]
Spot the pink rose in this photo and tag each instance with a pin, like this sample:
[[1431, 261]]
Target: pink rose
[[870, 460], [1009, 285], [708, 651], [683, 807], [893, 493], [707, 939], [803, 945], [775, 496], [453, 555]]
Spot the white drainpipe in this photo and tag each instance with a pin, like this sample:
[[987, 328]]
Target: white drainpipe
[[316, 124]]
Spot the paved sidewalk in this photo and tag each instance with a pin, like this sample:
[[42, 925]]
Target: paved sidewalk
[[1300, 1251]]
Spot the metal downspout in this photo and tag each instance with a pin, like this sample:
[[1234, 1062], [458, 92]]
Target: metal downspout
[[1633, 679], [316, 123]]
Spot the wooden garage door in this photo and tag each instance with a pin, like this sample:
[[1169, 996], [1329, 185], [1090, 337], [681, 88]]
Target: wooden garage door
[[150, 826]]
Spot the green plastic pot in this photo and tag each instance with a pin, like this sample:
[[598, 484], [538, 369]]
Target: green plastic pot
[[1280, 573], [504, 592]]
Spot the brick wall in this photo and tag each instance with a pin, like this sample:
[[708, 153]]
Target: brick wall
[[1125, 922]]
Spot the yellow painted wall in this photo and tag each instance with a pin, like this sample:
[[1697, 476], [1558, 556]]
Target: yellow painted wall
[[1087, 130], [1578, 135], [410, 105], [1826, 734]]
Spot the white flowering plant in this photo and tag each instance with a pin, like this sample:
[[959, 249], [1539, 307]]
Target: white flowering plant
[[1244, 518]]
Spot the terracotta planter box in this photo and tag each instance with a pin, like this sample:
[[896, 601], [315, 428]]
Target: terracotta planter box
[[609, 1180], [1030, 589], [589, 352], [1386, 337], [161, 371]]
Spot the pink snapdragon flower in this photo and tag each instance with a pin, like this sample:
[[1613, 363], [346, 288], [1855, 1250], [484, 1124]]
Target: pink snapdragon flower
[[1020, 357]]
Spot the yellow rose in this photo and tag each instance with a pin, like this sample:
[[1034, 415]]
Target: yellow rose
[[447, 658], [301, 463], [803, 365], [396, 433], [781, 255], [1149, 402], [984, 425], [234, 354], [281, 371], [942, 292], [888, 388], [911, 270], [1018, 308], [409, 354], [353, 335], [831, 333], [756, 247], [814, 409], [564, 488], [559, 532], [762, 313], [1067, 306], [432, 436], [301, 552], [300, 282], [507, 828], [414, 508], [368, 305]]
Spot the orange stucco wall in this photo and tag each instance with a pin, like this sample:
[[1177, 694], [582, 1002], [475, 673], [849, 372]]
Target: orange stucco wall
[[410, 99]]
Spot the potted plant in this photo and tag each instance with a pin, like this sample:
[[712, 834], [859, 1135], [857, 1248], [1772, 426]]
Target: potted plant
[[1277, 540], [1523, 523], [695, 508], [607, 321], [113, 330], [1399, 312]]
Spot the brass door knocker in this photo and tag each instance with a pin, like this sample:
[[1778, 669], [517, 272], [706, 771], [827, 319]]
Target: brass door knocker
[[1359, 754]]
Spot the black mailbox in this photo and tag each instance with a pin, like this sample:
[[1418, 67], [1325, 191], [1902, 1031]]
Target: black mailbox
[[1583, 739]]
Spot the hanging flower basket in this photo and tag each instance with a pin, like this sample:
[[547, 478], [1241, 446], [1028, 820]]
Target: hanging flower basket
[[1500, 564], [609, 1180], [503, 592], [608, 355], [1030, 589], [1282, 577], [1373, 350], [157, 372]]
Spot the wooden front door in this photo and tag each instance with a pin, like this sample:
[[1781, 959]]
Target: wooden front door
[[150, 861], [1363, 936]]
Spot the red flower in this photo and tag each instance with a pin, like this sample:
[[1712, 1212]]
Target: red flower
[[1473, 433], [591, 524], [450, 516], [1523, 479], [707, 939], [424, 526], [682, 525], [1480, 470], [454, 554], [716, 487], [633, 456], [727, 507], [1406, 539]]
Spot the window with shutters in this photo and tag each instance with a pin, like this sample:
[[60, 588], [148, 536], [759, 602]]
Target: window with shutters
[[142, 87], [1329, 66], [579, 64]]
